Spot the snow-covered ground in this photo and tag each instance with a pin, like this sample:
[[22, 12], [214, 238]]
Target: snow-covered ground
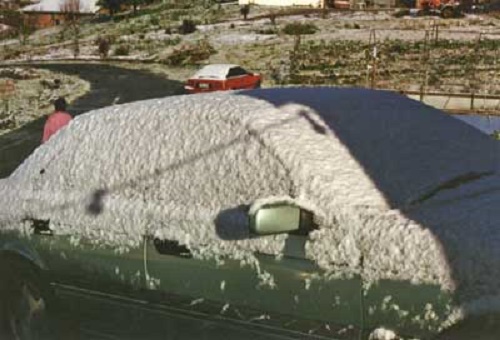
[[35, 91]]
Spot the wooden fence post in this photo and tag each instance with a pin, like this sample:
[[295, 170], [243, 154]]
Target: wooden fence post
[[425, 59], [372, 45]]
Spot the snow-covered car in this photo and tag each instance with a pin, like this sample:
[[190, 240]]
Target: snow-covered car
[[299, 213], [222, 77]]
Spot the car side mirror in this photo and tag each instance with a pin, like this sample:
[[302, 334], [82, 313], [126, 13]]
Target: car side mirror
[[280, 218]]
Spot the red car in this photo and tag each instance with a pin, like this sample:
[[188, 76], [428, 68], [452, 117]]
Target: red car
[[221, 77]]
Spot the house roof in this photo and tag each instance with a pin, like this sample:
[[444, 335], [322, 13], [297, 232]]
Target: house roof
[[213, 71], [55, 6]]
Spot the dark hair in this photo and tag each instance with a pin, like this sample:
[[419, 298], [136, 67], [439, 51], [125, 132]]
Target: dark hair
[[60, 104]]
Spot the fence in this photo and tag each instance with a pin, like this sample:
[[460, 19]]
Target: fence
[[456, 68]]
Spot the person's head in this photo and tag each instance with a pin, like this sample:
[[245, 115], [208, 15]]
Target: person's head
[[60, 104]]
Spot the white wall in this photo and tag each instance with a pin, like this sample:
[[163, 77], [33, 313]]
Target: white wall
[[315, 3]]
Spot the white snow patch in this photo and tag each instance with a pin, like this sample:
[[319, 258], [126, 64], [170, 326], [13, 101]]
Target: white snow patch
[[241, 38], [382, 334]]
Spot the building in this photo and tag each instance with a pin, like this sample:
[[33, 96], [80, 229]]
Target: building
[[48, 13], [310, 3]]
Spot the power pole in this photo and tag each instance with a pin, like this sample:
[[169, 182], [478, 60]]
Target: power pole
[[473, 80], [425, 63]]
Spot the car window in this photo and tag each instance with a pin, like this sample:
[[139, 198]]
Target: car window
[[236, 72]]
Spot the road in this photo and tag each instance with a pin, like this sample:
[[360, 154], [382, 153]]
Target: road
[[109, 85]]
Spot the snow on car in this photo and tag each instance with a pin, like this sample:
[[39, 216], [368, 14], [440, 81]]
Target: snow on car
[[221, 77], [349, 206]]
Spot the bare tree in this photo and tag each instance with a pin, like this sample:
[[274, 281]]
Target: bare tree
[[70, 10], [244, 11], [27, 25]]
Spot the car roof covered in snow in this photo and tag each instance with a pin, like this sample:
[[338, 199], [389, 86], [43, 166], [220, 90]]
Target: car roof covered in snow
[[213, 71], [370, 147]]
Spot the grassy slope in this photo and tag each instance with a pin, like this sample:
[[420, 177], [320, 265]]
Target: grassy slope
[[335, 54]]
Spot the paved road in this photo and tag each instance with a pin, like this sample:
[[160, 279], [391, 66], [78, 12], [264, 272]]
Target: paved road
[[109, 85]]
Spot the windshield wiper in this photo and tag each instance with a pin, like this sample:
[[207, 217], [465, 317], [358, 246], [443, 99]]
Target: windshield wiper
[[451, 184]]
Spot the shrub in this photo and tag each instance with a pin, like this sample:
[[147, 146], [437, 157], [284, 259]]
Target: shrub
[[298, 28], [154, 21], [103, 45], [173, 41], [272, 18], [401, 13], [122, 50], [176, 15], [267, 31], [11, 53], [188, 26], [131, 29], [190, 55]]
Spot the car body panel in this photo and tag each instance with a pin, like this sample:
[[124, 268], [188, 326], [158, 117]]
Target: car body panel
[[72, 266], [300, 301], [86, 265], [173, 320], [15, 243], [409, 309], [102, 288]]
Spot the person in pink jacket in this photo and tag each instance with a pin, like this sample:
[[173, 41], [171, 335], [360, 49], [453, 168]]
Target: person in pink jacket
[[56, 120]]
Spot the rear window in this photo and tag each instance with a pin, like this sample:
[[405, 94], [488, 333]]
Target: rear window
[[236, 72]]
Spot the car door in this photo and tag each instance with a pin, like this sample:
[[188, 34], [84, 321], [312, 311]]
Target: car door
[[230, 298], [412, 310], [98, 284], [306, 293]]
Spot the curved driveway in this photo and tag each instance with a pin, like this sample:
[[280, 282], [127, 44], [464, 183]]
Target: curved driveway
[[108, 85]]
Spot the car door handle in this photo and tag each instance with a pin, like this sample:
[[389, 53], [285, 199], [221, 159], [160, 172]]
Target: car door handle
[[41, 227], [168, 247]]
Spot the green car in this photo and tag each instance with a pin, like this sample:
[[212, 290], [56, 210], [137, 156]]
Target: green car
[[297, 213]]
